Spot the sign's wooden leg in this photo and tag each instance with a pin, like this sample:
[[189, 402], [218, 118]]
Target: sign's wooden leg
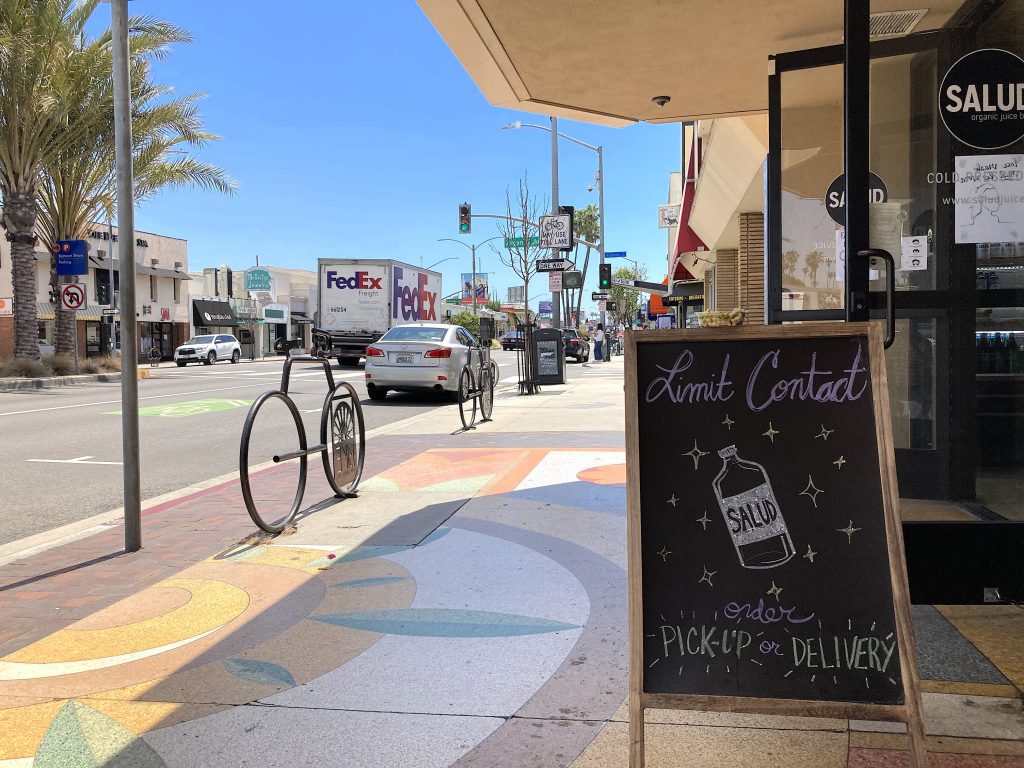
[[636, 731]]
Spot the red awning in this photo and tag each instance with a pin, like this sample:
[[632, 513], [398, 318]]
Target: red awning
[[686, 239]]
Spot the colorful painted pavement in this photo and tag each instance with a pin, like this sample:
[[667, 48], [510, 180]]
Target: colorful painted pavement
[[467, 609]]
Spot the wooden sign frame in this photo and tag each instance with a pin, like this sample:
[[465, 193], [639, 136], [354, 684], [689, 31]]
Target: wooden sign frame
[[910, 712]]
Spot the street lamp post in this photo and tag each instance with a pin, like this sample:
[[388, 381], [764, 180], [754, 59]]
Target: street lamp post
[[554, 175], [126, 252], [472, 249]]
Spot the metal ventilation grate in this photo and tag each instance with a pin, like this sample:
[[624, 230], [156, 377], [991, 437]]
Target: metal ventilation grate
[[895, 23]]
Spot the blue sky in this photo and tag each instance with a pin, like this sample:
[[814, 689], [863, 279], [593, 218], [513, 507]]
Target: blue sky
[[353, 131]]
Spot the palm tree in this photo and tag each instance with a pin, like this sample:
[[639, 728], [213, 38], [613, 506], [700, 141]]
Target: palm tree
[[78, 182], [39, 68]]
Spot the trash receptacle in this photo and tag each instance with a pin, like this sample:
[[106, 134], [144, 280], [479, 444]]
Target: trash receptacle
[[549, 354]]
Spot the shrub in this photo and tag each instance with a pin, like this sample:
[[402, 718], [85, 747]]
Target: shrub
[[89, 365], [59, 365], [108, 363], [25, 369]]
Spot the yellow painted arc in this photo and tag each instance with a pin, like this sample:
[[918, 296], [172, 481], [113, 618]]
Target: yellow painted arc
[[212, 605]]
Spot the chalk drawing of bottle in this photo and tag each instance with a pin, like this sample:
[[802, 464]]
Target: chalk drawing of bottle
[[752, 513]]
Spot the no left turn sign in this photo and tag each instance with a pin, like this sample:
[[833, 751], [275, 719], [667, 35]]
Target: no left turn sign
[[72, 296]]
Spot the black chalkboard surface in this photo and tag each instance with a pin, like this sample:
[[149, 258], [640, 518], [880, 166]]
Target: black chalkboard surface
[[765, 564]]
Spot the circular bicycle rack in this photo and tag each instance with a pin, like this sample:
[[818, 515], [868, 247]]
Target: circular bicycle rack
[[342, 445]]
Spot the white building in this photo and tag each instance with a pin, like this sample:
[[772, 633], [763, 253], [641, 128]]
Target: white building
[[161, 307]]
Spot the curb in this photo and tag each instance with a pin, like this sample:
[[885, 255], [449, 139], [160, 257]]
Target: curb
[[15, 385]]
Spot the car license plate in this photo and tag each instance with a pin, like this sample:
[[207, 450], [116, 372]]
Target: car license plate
[[404, 359]]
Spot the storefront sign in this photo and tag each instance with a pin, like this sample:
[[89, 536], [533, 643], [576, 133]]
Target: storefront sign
[[98, 234], [275, 312], [6, 306], [765, 557], [835, 196], [258, 279], [981, 99]]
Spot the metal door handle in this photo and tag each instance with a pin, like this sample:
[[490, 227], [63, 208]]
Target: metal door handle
[[890, 291]]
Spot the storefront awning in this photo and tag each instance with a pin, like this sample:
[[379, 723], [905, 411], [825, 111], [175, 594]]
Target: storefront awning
[[299, 317], [45, 310], [207, 313]]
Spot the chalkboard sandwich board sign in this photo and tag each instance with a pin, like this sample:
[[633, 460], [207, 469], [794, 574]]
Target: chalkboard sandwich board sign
[[765, 551]]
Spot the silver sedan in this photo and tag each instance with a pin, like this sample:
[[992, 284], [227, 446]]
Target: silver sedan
[[418, 357]]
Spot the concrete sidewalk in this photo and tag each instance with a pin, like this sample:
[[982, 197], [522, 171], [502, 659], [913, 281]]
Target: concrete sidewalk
[[469, 608]]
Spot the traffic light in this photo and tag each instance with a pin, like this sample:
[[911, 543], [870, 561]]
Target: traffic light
[[465, 219], [604, 276]]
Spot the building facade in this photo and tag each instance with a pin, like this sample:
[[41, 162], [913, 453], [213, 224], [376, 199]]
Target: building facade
[[270, 309], [161, 291]]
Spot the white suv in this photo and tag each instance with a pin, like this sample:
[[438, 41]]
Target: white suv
[[208, 350]]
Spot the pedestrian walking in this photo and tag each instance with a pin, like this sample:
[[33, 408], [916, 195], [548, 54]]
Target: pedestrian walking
[[599, 343]]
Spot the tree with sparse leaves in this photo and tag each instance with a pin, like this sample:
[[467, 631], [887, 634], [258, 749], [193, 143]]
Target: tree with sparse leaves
[[522, 214]]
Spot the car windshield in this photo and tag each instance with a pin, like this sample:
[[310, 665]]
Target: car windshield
[[571, 333], [201, 340], [414, 333]]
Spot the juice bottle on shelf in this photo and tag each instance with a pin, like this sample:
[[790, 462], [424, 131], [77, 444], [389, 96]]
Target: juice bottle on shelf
[[752, 513]]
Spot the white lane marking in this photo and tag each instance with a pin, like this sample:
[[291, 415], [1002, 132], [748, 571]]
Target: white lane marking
[[79, 460], [151, 397]]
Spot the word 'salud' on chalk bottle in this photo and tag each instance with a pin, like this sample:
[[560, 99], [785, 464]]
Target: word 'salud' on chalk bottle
[[752, 513]]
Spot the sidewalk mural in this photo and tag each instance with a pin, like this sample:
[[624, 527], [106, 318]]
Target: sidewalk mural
[[239, 627]]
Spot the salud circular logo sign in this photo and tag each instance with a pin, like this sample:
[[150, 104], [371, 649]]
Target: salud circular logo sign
[[981, 99], [835, 196]]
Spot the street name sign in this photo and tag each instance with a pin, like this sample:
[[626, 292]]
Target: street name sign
[[615, 255], [622, 281], [554, 265], [556, 231], [72, 296], [520, 242], [766, 565]]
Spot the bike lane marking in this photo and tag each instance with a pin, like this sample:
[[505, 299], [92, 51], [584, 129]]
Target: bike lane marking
[[150, 397]]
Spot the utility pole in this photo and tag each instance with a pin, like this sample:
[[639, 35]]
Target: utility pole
[[472, 280], [600, 245], [126, 252], [556, 296]]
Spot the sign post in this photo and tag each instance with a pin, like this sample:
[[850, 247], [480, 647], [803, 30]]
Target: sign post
[[73, 297], [766, 566]]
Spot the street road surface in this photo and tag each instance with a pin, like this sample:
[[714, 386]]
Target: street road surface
[[60, 457]]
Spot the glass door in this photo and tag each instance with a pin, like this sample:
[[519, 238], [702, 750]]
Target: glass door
[[807, 257]]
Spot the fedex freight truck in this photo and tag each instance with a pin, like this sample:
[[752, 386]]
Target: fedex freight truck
[[361, 299]]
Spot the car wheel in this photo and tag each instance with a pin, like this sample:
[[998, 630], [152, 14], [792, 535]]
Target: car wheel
[[181, 363], [586, 358], [377, 393], [210, 359], [235, 357]]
